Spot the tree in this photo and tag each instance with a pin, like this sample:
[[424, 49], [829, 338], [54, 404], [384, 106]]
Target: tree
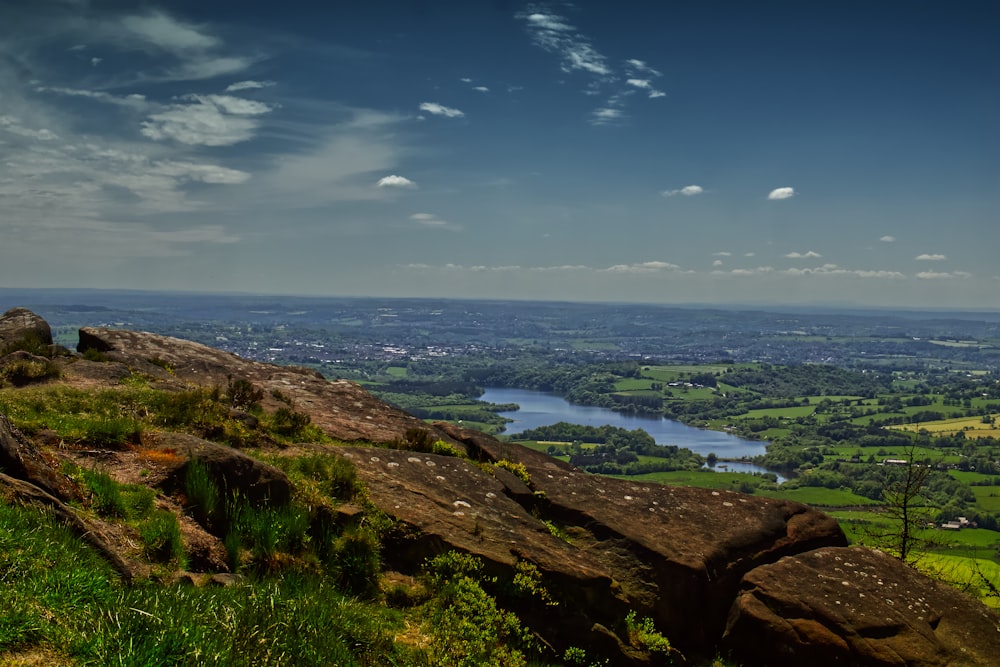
[[906, 507]]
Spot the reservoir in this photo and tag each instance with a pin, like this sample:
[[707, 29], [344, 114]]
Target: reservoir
[[539, 408]]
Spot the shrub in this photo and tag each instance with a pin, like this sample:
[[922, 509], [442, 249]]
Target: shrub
[[162, 363], [357, 563], [644, 636], [519, 470], [21, 372], [288, 422], [93, 354], [468, 627], [444, 449], [243, 394], [109, 498]]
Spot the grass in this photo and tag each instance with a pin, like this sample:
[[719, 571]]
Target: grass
[[820, 497], [61, 598]]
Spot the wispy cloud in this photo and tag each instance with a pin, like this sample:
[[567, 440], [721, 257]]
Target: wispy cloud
[[930, 258], [432, 221], [248, 85], [643, 267], [722, 253], [888, 239], [686, 191], [555, 34], [781, 193], [394, 181], [208, 120], [803, 255], [943, 275], [436, 109], [606, 116], [481, 89]]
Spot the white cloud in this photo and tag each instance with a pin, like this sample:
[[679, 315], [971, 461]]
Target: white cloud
[[930, 258], [639, 83], [888, 239], [781, 193], [15, 126], [441, 110], [942, 275], [635, 66], [211, 120], [247, 85], [95, 61], [481, 89], [717, 262], [642, 267], [749, 254], [555, 34], [605, 116], [806, 255], [687, 191], [465, 79], [723, 253], [394, 181], [653, 94]]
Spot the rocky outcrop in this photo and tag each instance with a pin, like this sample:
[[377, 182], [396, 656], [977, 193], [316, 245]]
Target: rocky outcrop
[[20, 326], [676, 554], [772, 581], [229, 469], [856, 606], [341, 408]]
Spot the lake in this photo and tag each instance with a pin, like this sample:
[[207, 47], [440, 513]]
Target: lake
[[539, 408]]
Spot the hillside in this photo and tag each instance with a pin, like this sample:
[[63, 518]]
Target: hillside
[[269, 496]]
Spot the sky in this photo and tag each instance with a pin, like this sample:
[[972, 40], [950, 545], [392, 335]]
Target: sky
[[830, 152]]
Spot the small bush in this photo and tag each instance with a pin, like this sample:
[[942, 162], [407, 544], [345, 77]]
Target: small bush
[[519, 470], [644, 636], [288, 422], [357, 563], [93, 354], [419, 440], [243, 394], [22, 372], [445, 448], [31, 343], [335, 475]]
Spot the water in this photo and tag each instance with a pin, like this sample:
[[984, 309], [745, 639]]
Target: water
[[539, 408]]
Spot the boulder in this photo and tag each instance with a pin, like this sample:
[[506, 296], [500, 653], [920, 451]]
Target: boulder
[[678, 553], [21, 327], [230, 469], [859, 607]]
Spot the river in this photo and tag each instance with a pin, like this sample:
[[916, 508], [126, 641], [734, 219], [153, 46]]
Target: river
[[539, 408]]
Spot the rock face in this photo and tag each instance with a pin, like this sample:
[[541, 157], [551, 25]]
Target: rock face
[[341, 408], [675, 554], [857, 606], [771, 581], [20, 325], [230, 469]]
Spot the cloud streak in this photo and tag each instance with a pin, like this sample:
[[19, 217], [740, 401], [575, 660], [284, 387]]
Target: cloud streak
[[436, 109]]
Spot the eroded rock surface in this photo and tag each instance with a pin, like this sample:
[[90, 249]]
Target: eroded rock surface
[[341, 408], [20, 325], [856, 606]]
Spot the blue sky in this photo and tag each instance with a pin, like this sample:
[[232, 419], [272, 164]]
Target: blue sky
[[712, 152]]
